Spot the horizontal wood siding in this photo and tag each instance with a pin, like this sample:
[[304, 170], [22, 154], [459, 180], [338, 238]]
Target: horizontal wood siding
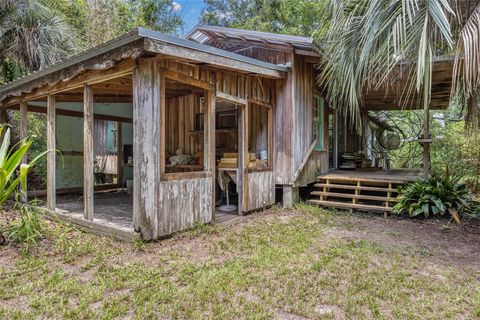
[[260, 189], [183, 204]]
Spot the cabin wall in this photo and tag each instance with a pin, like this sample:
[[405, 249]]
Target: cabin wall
[[304, 80], [180, 124]]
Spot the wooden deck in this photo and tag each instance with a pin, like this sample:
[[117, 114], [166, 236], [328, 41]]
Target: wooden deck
[[366, 190], [374, 175]]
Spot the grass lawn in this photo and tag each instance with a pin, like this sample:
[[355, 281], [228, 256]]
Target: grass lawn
[[306, 263]]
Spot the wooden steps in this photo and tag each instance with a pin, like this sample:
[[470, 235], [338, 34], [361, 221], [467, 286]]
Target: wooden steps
[[355, 193], [353, 196], [344, 205]]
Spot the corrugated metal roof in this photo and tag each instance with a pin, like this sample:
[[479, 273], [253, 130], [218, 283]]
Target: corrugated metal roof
[[134, 35], [273, 38]]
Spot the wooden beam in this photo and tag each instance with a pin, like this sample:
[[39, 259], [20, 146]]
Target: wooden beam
[[88, 172], [209, 58], [169, 74], [78, 114], [229, 98], [163, 117], [90, 77], [51, 156]]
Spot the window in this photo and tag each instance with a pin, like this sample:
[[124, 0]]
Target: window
[[318, 123]]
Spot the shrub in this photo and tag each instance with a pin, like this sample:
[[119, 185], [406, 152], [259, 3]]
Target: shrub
[[435, 196], [28, 229]]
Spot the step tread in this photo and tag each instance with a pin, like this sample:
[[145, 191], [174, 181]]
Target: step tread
[[358, 179], [350, 205], [353, 187], [353, 196]]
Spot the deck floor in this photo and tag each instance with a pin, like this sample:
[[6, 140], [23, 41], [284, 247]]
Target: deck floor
[[116, 209], [406, 175]]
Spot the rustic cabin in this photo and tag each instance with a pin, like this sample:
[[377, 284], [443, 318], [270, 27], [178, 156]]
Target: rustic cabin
[[156, 134]]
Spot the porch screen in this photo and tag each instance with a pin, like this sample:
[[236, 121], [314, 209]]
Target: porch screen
[[318, 123]]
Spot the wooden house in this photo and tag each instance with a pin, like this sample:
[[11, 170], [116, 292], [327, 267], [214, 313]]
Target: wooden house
[[179, 124]]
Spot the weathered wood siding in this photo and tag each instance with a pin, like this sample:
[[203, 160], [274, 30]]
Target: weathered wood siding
[[180, 123], [258, 129], [183, 204], [303, 87], [146, 151], [260, 190], [283, 131], [268, 53]]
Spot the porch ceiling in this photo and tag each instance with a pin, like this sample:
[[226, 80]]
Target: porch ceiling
[[389, 98]]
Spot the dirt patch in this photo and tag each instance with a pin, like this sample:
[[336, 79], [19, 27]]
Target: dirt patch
[[439, 240]]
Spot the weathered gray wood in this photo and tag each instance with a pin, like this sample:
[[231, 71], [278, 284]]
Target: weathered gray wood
[[211, 144], [241, 159], [23, 125], [51, 157], [182, 205], [426, 144], [261, 190], [146, 148], [23, 136], [88, 171], [205, 57]]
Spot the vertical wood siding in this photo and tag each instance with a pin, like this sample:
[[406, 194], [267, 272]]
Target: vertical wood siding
[[261, 190], [183, 204]]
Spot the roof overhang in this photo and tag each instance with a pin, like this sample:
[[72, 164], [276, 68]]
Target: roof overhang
[[204, 33], [132, 45]]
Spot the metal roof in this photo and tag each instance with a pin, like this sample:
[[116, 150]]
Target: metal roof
[[203, 33], [134, 35]]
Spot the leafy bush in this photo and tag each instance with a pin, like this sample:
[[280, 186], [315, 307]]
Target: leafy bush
[[435, 196], [13, 173], [28, 229]]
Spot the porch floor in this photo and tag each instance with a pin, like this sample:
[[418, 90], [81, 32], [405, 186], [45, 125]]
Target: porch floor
[[400, 175], [114, 210]]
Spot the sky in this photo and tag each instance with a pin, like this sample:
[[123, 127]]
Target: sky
[[190, 11]]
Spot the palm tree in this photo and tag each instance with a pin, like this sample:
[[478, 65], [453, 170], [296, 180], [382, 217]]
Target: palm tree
[[32, 36], [369, 43]]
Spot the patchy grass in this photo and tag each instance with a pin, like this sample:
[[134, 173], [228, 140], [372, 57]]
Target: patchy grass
[[303, 263]]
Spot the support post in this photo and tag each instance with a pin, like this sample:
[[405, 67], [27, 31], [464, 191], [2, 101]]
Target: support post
[[51, 156], [88, 174], [290, 196], [148, 97], [426, 142], [23, 136], [210, 108], [119, 156]]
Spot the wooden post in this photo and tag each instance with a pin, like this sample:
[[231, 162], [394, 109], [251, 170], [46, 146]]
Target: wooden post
[[88, 174], [23, 135], [211, 143], [148, 97], [51, 157], [119, 155], [426, 142]]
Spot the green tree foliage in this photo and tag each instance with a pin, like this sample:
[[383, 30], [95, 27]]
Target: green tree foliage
[[370, 43], [101, 20], [32, 36], [296, 17]]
